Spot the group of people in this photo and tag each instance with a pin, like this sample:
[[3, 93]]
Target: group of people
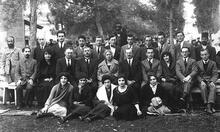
[[125, 81]]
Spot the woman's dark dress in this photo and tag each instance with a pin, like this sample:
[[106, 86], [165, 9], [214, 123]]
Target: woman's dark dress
[[44, 87], [126, 104]]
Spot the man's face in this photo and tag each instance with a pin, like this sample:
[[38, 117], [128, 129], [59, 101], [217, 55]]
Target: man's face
[[118, 27], [107, 83], [82, 81], [60, 37], [204, 41], [185, 52], [161, 39], [130, 40], [129, 54], [180, 37], [112, 40], [41, 41], [68, 53], [204, 55], [98, 41], [87, 52], [150, 53], [147, 40], [81, 42], [10, 42], [27, 52]]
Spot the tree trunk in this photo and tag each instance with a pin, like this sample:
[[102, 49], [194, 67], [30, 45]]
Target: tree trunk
[[33, 23], [98, 22], [171, 25]]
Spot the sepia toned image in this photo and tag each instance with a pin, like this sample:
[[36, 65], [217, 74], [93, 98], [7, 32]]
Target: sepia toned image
[[110, 65]]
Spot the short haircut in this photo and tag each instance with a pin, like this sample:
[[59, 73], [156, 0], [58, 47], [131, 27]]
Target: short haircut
[[106, 77], [204, 50], [161, 34], [130, 35], [68, 48], [11, 37], [151, 48], [111, 36], [81, 37], [151, 75], [26, 47], [61, 31], [186, 48], [180, 32]]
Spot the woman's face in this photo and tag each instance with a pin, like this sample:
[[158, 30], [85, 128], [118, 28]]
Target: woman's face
[[121, 81], [47, 56], [82, 81], [108, 56], [153, 80], [63, 80], [166, 58], [107, 83]]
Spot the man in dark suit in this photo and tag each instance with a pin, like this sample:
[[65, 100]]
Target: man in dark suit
[[121, 35], [186, 71], [112, 46], [89, 66], [39, 50], [60, 47], [150, 66], [180, 44], [130, 45], [67, 64], [131, 68], [205, 45], [98, 49], [207, 76]]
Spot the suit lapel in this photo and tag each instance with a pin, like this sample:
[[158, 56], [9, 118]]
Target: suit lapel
[[209, 66], [106, 67]]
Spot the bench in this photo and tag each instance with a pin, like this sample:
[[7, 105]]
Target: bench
[[6, 87]]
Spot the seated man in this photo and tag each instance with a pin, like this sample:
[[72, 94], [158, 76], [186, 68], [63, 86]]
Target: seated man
[[59, 101], [207, 76], [150, 66], [25, 73], [185, 71]]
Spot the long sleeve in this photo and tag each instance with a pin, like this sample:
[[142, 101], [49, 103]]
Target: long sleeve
[[178, 71], [214, 73], [33, 76]]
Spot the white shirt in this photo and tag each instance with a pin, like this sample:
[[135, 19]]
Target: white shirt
[[186, 59], [61, 44], [181, 45], [204, 47], [113, 50], [131, 60], [153, 88], [151, 60], [205, 62], [68, 61]]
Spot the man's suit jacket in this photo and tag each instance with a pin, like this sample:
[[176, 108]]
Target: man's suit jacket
[[135, 50], [117, 51], [90, 71], [182, 71], [103, 69], [147, 70], [61, 66], [59, 52], [38, 53], [210, 74], [166, 48], [212, 53], [78, 53], [135, 70], [147, 94], [178, 50], [100, 56]]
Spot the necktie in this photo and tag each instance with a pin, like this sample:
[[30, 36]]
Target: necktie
[[68, 62], [150, 63], [185, 62], [129, 62]]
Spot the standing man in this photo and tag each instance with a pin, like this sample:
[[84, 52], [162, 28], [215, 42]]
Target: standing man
[[67, 64], [98, 49], [130, 45], [121, 35], [78, 52], [10, 59], [39, 50], [60, 47], [207, 76], [113, 47], [25, 73], [88, 66], [205, 45], [180, 43], [150, 66], [186, 71]]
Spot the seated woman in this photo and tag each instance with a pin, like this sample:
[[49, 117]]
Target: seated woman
[[46, 70], [149, 91], [60, 98], [82, 99], [108, 66], [125, 101], [168, 78], [103, 102]]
